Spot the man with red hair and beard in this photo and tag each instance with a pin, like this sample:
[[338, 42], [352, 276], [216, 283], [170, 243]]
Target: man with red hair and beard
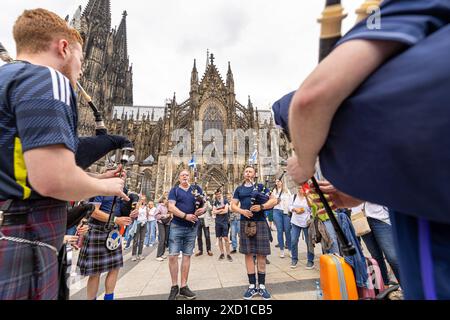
[[38, 172]]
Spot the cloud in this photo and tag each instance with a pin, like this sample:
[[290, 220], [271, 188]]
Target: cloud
[[272, 46]]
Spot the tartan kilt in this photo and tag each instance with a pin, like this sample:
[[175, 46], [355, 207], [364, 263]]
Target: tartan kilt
[[31, 272], [94, 257], [259, 244]]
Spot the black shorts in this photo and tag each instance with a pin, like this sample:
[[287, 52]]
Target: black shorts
[[221, 229]]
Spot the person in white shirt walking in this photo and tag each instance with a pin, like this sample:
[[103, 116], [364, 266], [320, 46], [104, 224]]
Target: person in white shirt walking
[[142, 212], [301, 213], [150, 238], [163, 218], [281, 217]]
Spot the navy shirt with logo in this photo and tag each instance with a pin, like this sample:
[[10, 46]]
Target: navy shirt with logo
[[221, 218], [37, 109], [244, 195], [106, 205], [184, 201]]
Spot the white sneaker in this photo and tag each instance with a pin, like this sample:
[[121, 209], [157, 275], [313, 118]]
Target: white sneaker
[[141, 257], [133, 259], [160, 259], [164, 257], [282, 254], [290, 253]]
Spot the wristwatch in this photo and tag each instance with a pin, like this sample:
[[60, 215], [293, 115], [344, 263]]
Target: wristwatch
[[185, 216]]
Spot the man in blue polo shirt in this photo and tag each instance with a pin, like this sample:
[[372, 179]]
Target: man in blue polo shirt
[[259, 244], [183, 232]]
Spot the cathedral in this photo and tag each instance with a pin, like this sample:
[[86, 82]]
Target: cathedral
[[107, 73], [209, 127]]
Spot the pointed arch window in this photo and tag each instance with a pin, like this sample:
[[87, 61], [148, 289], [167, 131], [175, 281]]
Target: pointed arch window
[[213, 119]]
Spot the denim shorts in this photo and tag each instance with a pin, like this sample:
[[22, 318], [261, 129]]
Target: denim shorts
[[182, 239]]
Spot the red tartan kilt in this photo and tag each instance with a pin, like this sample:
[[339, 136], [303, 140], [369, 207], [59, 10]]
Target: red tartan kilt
[[31, 272]]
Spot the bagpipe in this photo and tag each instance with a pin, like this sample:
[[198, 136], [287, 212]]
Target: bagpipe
[[260, 196], [200, 198], [113, 240]]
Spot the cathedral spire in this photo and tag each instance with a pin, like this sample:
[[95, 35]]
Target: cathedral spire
[[250, 104], [100, 10], [174, 101], [230, 78], [76, 19], [121, 43], [194, 74]]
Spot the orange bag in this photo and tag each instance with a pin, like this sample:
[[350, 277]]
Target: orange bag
[[337, 278]]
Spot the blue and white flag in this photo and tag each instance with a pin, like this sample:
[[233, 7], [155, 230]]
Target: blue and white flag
[[254, 157], [192, 164]]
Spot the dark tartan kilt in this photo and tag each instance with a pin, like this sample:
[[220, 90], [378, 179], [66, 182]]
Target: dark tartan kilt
[[259, 244], [94, 257], [31, 272]]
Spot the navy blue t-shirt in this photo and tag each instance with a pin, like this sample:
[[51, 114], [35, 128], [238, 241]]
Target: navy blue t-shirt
[[184, 201], [221, 218], [105, 206], [37, 109], [244, 195]]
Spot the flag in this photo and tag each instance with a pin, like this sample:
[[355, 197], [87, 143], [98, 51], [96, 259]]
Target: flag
[[192, 164], [253, 158]]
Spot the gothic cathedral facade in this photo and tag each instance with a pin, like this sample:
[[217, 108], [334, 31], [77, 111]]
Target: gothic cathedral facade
[[211, 107]]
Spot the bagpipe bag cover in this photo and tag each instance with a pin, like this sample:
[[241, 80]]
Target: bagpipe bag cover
[[92, 149], [389, 142]]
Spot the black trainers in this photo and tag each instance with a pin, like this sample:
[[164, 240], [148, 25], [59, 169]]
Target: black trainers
[[234, 251], [187, 293], [229, 258], [174, 291], [222, 256]]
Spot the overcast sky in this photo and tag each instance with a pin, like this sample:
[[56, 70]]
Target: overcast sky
[[272, 45]]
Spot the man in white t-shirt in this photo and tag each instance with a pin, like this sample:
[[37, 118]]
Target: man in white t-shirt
[[301, 213]]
